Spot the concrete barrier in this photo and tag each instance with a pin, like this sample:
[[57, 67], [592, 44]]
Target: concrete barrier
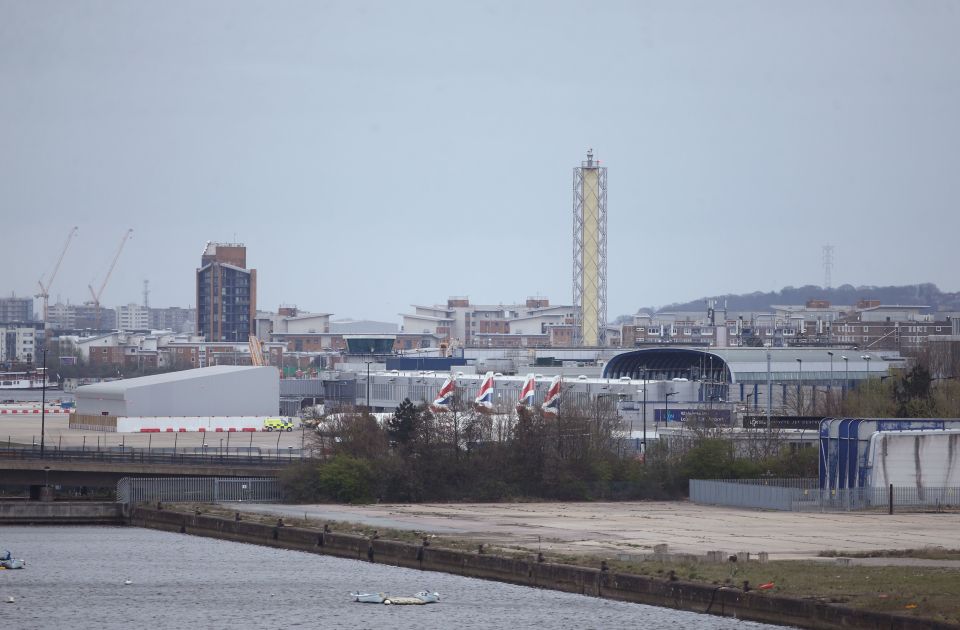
[[597, 582], [151, 424], [60, 513]]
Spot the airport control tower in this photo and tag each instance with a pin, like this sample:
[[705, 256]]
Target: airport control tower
[[590, 251]]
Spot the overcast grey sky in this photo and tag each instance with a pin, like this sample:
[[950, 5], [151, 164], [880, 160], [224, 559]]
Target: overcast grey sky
[[372, 155]]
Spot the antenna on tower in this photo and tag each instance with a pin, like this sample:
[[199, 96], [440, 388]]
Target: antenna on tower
[[146, 293], [827, 265]]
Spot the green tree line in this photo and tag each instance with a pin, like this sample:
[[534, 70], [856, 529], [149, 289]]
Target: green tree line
[[418, 455]]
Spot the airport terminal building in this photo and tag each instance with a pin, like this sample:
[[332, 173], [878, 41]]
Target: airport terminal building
[[671, 380]]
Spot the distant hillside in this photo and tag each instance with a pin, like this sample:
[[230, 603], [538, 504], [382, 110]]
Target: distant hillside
[[919, 294]]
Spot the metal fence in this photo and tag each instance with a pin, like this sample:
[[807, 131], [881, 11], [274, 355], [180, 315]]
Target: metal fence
[[199, 490], [805, 495], [189, 455]]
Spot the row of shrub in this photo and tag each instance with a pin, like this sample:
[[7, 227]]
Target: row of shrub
[[420, 456]]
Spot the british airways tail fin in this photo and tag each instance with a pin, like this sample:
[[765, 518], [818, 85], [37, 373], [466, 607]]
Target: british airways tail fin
[[485, 395], [445, 396], [528, 391], [551, 402]]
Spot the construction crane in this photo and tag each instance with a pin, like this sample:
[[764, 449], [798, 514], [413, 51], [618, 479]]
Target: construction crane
[[256, 351], [45, 290], [96, 294]]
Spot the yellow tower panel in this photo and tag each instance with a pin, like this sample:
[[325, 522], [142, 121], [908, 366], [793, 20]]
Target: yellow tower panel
[[591, 257]]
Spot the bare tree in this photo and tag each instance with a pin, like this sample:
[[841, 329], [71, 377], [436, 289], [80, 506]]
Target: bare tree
[[353, 432]]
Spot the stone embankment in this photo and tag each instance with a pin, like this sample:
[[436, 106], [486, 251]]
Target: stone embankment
[[60, 513], [533, 571]]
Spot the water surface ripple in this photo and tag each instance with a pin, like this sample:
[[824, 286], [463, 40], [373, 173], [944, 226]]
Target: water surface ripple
[[75, 579]]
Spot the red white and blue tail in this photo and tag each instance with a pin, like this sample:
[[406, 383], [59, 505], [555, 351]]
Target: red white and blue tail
[[551, 403], [445, 396], [527, 392], [485, 395]]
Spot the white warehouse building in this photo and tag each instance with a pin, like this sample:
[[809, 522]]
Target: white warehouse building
[[222, 390]]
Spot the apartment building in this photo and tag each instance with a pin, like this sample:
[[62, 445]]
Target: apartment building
[[133, 317], [21, 341], [16, 309], [226, 293], [80, 317], [483, 325]]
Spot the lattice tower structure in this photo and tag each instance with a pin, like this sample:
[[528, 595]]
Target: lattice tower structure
[[827, 265], [590, 252]]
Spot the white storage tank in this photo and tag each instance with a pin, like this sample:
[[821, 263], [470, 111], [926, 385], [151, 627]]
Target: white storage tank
[[915, 459]]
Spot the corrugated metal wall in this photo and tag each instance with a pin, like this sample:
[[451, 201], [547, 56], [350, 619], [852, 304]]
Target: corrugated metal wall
[[251, 392]]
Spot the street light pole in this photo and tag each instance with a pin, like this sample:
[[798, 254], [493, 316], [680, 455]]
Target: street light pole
[[800, 385], [368, 385], [769, 395], [846, 375], [666, 406], [831, 371], [43, 399], [644, 415], [867, 358]]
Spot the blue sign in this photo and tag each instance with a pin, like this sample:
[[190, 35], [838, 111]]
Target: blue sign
[[716, 416]]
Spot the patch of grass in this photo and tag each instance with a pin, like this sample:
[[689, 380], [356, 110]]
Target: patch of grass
[[927, 553], [933, 591]]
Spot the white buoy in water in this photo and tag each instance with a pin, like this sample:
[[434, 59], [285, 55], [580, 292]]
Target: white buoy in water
[[10, 599], [127, 582]]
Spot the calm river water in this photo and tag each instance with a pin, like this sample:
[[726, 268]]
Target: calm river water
[[75, 579]]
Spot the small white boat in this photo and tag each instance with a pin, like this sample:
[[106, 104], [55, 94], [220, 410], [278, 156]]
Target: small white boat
[[423, 597], [7, 561], [428, 597]]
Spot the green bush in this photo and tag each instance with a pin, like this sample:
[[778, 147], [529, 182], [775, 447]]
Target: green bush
[[346, 479], [299, 483]]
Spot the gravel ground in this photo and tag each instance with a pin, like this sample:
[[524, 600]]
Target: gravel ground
[[635, 527]]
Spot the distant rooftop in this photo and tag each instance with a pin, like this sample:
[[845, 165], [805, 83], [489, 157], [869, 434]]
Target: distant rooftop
[[211, 248], [120, 386]]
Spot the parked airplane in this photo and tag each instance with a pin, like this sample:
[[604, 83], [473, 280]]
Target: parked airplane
[[527, 392], [551, 402], [445, 396], [484, 400]]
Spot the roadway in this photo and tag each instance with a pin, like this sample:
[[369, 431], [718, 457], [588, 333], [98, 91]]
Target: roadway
[[25, 429], [106, 468], [95, 458]]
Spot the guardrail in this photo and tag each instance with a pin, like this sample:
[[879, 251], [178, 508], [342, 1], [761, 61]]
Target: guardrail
[[184, 457]]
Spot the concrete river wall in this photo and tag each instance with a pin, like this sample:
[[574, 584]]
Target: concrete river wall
[[702, 598], [60, 513]]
